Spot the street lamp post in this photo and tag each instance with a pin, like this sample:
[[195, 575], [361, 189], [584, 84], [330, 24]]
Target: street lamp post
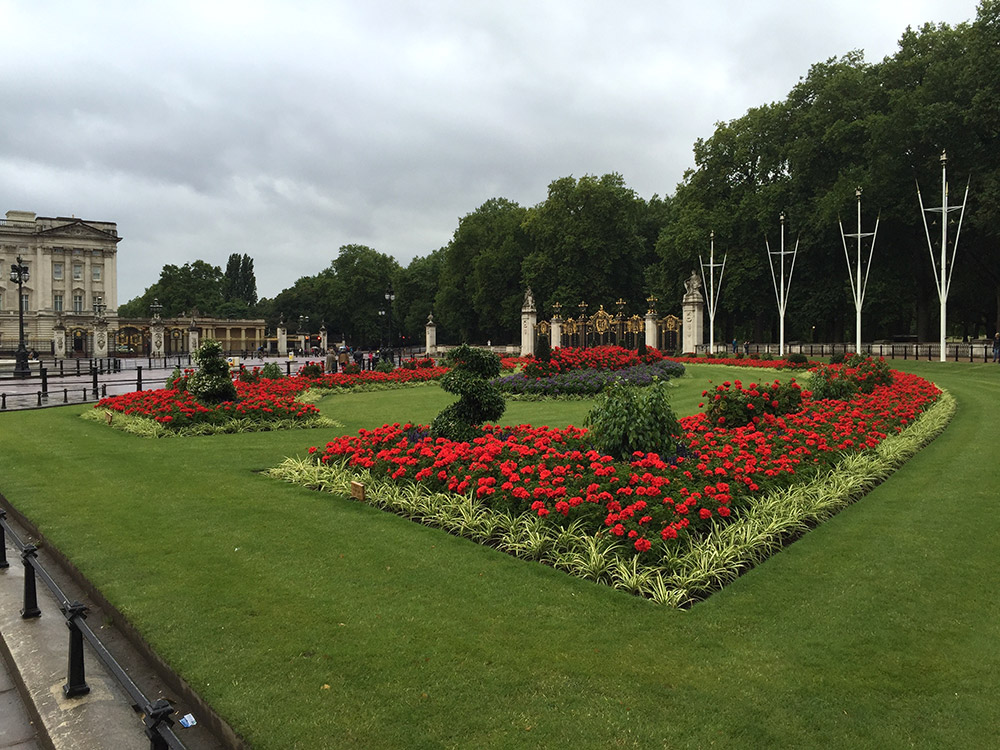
[[19, 275], [304, 333], [390, 297]]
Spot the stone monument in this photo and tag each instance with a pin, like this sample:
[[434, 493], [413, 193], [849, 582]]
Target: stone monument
[[693, 327], [430, 334], [529, 317]]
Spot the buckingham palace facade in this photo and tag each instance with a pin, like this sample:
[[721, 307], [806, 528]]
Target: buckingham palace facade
[[70, 301]]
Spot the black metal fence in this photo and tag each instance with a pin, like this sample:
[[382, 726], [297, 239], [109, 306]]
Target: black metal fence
[[976, 351], [156, 714]]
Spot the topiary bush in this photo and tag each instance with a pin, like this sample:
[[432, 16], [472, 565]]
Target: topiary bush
[[626, 418], [479, 400], [212, 383], [797, 358]]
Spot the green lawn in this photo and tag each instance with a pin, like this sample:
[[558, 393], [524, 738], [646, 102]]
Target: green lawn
[[310, 621]]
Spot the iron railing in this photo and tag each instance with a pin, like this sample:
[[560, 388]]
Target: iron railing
[[156, 714]]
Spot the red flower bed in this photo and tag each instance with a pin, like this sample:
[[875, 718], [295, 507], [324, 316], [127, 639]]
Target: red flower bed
[[774, 364], [261, 399], [651, 500], [178, 408], [594, 358]]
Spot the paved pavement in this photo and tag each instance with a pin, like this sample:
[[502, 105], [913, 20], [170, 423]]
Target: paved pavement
[[17, 730]]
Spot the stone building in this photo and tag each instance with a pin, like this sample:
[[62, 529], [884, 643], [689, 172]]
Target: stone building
[[70, 301]]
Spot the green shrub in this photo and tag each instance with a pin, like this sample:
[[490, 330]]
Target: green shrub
[[641, 348], [765, 356], [352, 369], [837, 359], [626, 418], [212, 382], [543, 352], [249, 375], [384, 365], [311, 370], [797, 358], [479, 400], [271, 371], [858, 373]]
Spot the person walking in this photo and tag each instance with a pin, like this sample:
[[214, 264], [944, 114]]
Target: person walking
[[996, 347]]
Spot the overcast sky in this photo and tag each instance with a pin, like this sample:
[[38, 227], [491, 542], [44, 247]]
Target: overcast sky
[[287, 129]]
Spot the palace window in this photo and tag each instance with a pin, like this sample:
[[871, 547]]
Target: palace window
[[57, 302], [95, 273], [78, 303], [24, 302], [77, 272], [57, 271]]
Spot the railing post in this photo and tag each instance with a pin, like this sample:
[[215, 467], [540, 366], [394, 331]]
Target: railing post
[[76, 682], [45, 380], [30, 608], [138, 377], [3, 541], [93, 372], [3, 400], [61, 367], [39, 398], [65, 395], [156, 714]]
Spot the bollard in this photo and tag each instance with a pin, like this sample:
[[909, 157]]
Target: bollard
[[104, 390], [76, 682], [30, 608], [3, 400], [93, 372], [61, 368], [45, 380], [3, 541], [288, 368], [78, 367], [84, 394], [39, 398], [138, 377], [65, 395]]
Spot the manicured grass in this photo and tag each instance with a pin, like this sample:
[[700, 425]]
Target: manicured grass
[[311, 621]]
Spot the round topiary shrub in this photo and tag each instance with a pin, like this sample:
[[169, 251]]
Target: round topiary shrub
[[626, 418], [479, 399], [211, 383], [797, 358]]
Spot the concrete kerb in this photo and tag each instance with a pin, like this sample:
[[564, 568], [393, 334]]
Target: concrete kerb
[[38, 649]]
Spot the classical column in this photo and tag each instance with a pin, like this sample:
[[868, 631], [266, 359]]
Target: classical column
[[529, 316], [193, 342], [323, 343], [430, 334], [555, 338], [693, 328]]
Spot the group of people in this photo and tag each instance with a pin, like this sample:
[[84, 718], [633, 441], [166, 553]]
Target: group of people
[[746, 348], [337, 360]]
